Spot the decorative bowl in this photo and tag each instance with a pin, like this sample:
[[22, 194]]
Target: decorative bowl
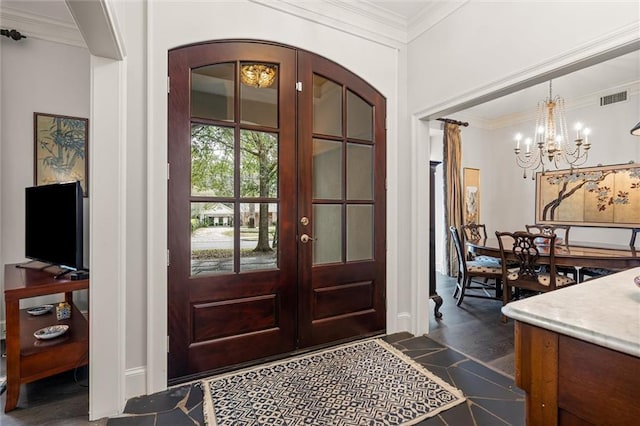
[[39, 310], [51, 332]]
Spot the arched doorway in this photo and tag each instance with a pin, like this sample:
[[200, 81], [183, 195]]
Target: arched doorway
[[296, 162]]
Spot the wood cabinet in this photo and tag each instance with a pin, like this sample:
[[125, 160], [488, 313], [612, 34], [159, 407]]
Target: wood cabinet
[[433, 292], [28, 358], [572, 382]]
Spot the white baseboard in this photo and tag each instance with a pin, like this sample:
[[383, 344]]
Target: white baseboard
[[135, 383], [403, 323]]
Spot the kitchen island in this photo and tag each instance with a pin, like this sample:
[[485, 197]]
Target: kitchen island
[[577, 352]]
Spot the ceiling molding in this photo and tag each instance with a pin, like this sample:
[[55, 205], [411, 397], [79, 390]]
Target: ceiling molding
[[357, 17], [342, 16], [430, 16], [42, 28]]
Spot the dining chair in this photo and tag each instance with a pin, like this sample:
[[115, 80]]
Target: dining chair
[[560, 231], [476, 232], [562, 238], [634, 233], [590, 273], [468, 270], [531, 273]]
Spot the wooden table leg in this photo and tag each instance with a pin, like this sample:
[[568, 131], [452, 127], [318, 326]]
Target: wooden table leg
[[13, 354]]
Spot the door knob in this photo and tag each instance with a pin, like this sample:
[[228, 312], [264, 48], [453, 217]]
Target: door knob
[[305, 238]]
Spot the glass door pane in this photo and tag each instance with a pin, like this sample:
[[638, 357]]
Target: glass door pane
[[258, 164], [212, 92], [212, 161], [212, 235], [327, 107], [327, 170], [259, 94], [327, 232]]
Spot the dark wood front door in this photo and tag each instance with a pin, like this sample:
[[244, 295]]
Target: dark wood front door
[[276, 210]]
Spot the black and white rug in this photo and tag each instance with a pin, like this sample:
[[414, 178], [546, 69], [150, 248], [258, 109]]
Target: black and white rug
[[363, 383]]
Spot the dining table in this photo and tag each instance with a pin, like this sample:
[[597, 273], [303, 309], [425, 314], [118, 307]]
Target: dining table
[[576, 254]]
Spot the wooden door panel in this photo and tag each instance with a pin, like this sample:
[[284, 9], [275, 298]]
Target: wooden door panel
[[227, 318], [346, 299]]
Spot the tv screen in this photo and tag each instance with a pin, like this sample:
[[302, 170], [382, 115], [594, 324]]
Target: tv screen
[[53, 228]]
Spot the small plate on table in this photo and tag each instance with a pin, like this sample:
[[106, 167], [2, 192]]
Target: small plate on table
[[39, 310], [51, 332]]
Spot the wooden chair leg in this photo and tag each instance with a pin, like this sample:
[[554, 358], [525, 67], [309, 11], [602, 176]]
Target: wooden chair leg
[[458, 285], [466, 281], [506, 298]]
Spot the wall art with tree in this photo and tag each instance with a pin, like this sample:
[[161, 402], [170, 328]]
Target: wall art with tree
[[607, 196], [60, 149]]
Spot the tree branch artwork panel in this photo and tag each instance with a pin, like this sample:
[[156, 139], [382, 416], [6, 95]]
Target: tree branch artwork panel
[[60, 149], [607, 196]]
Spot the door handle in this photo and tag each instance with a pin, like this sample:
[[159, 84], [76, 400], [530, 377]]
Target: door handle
[[305, 238]]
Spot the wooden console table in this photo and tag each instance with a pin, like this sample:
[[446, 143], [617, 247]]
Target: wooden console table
[[30, 359], [577, 352]]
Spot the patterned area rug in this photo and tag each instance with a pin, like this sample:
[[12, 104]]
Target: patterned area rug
[[363, 383]]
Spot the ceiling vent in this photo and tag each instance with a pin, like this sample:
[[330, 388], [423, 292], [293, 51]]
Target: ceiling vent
[[612, 99]]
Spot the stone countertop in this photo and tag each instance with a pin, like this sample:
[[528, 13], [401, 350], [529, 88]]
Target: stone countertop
[[604, 311]]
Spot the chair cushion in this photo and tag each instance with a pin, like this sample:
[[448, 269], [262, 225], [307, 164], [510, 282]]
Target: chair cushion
[[484, 267], [597, 272], [496, 261], [543, 278]]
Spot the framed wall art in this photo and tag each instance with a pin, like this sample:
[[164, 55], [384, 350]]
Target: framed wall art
[[471, 184], [606, 196], [60, 149]]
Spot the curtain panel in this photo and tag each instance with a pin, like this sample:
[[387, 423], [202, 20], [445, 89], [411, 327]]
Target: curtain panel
[[452, 190]]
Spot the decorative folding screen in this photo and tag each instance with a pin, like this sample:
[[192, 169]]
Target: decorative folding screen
[[606, 196]]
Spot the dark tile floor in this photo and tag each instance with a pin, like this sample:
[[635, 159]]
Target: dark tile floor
[[468, 347]]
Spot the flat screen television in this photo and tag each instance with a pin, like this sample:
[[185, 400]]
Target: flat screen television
[[53, 224]]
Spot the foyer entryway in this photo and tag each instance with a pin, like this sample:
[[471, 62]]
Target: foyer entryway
[[276, 205]]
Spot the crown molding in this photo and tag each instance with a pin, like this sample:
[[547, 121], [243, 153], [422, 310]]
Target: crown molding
[[430, 16], [343, 16], [358, 17], [42, 28]]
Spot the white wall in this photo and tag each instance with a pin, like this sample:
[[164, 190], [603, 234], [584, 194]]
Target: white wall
[[37, 76]]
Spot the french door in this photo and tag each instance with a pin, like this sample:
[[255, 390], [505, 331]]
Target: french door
[[276, 205]]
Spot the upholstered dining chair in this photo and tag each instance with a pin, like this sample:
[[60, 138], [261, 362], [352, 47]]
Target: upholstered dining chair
[[470, 269], [588, 273], [530, 274], [560, 231], [476, 232], [562, 238]]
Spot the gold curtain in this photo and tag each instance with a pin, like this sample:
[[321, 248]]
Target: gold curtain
[[452, 190]]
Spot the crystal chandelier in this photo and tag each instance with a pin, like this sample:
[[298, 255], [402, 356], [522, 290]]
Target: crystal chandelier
[[258, 75], [551, 140]]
